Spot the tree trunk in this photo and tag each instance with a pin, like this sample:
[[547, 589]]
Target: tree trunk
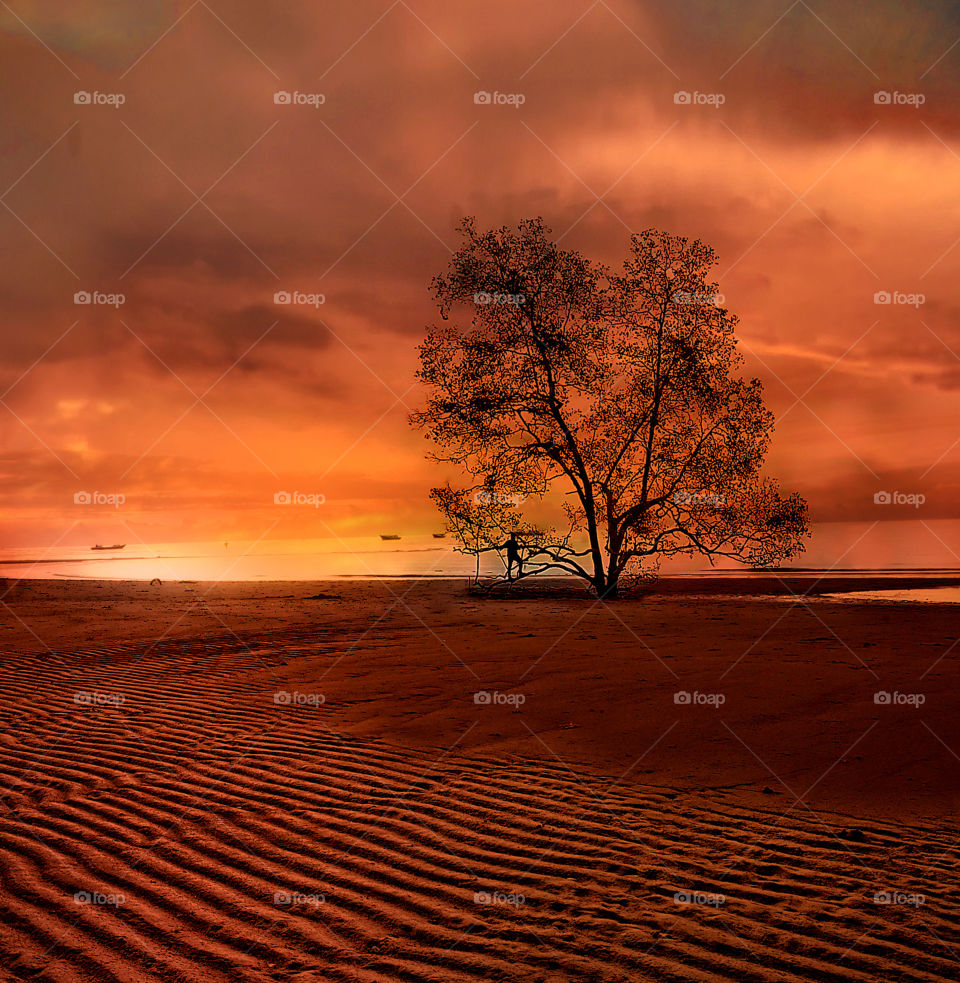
[[609, 591], [606, 581]]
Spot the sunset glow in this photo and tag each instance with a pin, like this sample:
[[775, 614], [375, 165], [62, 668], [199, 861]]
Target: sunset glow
[[198, 398]]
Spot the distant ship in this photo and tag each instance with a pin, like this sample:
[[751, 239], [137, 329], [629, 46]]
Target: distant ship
[[392, 535], [116, 546], [439, 535]]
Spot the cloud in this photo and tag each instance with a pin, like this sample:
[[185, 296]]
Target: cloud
[[358, 199]]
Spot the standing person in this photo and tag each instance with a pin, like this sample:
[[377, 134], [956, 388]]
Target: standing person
[[513, 555]]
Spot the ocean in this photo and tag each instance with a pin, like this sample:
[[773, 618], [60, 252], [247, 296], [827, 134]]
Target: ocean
[[917, 546]]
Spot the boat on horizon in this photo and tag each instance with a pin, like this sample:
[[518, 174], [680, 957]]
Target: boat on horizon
[[116, 546], [439, 535], [391, 535]]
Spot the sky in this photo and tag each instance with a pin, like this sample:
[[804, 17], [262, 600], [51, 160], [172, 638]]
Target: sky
[[815, 146]]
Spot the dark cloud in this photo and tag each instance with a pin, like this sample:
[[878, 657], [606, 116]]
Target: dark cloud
[[306, 199]]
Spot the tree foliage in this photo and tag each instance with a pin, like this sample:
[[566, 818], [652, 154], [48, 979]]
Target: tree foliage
[[618, 388]]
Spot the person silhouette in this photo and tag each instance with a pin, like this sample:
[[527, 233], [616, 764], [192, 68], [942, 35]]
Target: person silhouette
[[512, 546]]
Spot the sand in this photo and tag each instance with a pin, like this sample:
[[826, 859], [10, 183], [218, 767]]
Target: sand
[[296, 781]]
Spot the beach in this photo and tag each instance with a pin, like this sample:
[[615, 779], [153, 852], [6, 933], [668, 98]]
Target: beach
[[480, 493], [395, 779]]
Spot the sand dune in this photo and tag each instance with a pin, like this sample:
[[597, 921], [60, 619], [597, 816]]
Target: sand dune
[[213, 834]]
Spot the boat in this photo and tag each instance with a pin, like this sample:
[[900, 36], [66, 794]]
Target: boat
[[439, 535], [391, 535], [116, 546]]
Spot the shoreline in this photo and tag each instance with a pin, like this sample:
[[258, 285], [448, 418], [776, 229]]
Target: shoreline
[[718, 584]]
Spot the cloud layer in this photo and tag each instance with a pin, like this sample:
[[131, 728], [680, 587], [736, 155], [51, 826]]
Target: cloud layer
[[199, 197]]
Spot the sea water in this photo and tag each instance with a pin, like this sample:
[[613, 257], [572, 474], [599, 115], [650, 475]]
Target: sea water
[[930, 547]]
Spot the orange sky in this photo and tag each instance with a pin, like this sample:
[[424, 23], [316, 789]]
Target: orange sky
[[200, 197]]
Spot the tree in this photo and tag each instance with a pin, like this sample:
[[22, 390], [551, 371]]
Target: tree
[[618, 388]]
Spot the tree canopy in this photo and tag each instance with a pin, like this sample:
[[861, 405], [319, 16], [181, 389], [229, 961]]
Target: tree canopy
[[617, 388]]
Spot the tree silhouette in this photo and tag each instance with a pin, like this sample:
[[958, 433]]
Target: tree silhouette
[[479, 519], [618, 388]]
